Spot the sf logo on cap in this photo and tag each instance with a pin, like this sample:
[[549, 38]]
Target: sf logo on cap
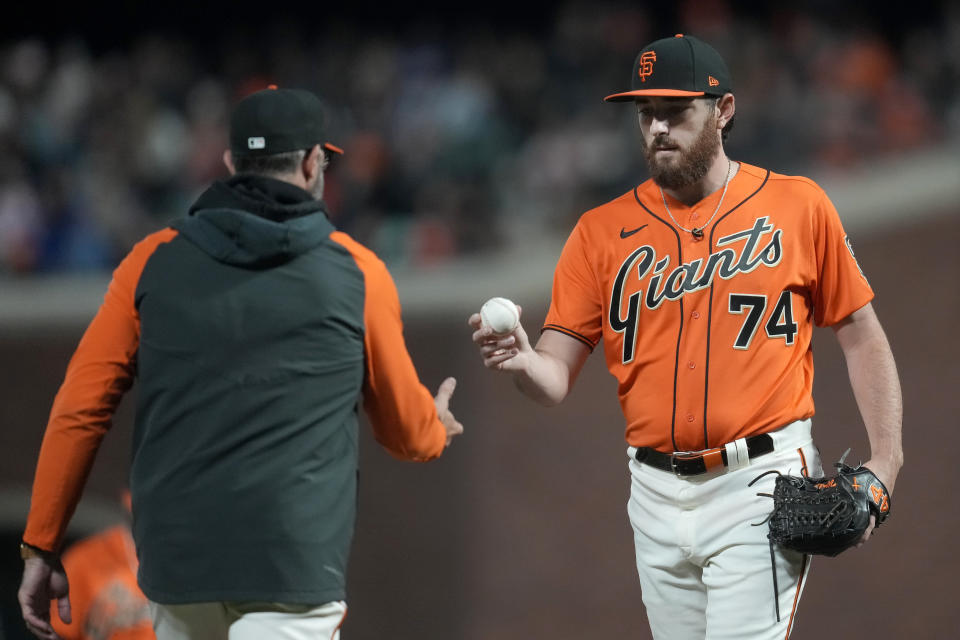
[[646, 64]]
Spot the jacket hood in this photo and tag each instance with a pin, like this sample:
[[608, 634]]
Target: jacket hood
[[255, 221]]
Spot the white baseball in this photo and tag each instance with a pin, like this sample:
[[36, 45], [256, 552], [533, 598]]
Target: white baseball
[[500, 314]]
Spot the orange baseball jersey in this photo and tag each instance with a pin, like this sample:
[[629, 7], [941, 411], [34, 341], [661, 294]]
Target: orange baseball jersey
[[709, 338], [105, 601]]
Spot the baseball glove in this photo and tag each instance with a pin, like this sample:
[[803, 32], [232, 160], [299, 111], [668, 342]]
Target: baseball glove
[[823, 516], [826, 516]]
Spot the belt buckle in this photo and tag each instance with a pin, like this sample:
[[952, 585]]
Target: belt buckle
[[711, 458], [681, 455], [673, 467]]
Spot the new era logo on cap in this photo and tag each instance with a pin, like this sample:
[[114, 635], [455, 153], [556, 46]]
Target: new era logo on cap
[[256, 143]]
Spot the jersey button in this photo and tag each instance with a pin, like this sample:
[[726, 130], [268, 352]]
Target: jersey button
[[691, 365], [695, 315], [690, 417]]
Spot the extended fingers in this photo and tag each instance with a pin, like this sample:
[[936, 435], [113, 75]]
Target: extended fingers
[[444, 393], [491, 346], [497, 349], [483, 334], [500, 356], [493, 352]]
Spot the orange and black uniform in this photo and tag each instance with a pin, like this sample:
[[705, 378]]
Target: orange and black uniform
[[709, 338], [252, 328]]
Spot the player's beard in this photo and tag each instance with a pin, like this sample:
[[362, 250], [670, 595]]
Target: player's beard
[[693, 162]]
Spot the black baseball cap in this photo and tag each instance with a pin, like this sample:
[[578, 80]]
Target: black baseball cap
[[677, 66], [276, 121]]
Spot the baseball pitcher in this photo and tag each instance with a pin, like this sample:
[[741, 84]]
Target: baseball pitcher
[[704, 284]]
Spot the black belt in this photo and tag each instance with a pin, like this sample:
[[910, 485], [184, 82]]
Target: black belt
[[693, 464]]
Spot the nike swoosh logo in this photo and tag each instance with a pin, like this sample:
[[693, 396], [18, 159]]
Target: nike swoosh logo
[[626, 234]]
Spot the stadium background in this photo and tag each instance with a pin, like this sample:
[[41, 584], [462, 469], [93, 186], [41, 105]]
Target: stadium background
[[474, 140]]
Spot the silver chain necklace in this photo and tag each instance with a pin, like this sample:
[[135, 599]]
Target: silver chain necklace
[[698, 231]]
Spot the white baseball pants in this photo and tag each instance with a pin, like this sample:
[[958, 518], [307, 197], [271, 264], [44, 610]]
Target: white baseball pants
[[247, 621], [705, 570]]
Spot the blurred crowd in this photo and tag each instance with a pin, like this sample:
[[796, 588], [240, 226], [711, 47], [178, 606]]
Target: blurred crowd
[[458, 139]]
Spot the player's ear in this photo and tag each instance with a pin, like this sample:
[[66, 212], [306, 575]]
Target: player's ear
[[726, 107], [312, 163], [228, 161]]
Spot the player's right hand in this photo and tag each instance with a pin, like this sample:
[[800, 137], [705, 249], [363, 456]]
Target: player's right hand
[[442, 401], [504, 352], [43, 581]]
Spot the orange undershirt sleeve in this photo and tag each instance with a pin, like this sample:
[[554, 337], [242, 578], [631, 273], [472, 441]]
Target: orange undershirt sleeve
[[100, 372], [401, 410]]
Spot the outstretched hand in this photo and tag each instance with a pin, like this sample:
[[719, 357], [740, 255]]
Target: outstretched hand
[[43, 581], [442, 401], [501, 352]]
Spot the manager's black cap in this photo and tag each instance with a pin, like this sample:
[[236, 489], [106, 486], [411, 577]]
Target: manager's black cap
[[276, 121], [677, 66]]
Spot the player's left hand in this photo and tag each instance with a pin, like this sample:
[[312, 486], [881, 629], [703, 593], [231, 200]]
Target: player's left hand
[[887, 473], [43, 581]]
